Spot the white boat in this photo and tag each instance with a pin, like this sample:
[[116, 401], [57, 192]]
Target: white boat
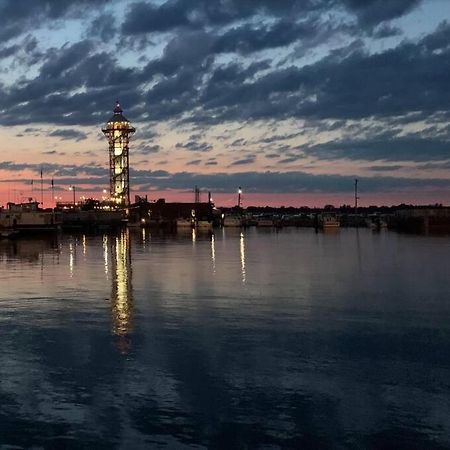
[[329, 221], [29, 217], [376, 222], [264, 222], [232, 221]]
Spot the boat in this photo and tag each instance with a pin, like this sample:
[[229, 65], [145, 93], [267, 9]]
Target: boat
[[264, 221], [329, 221], [28, 216], [232, 221], [376, 222]]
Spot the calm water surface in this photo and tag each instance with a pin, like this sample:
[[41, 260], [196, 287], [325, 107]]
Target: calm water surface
[[254, 340]]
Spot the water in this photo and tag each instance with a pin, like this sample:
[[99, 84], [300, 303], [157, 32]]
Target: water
[[263, 339]]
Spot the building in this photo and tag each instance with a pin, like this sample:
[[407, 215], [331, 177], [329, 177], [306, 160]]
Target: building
[[118, 131]]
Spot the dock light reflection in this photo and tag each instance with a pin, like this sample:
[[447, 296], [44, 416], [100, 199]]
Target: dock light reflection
[[121, 295], [71, 258], [194, 236], [242, 252], [105, 255], [144, 237], [213, 253]]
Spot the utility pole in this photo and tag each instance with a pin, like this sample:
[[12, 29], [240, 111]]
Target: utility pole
[[239, 197], [356, 196], [197, 195], [42, 190]]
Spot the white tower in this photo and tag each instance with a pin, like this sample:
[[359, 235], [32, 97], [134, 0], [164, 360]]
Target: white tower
[[118, 131]]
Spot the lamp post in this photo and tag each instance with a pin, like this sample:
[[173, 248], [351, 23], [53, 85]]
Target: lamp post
[[239, 196], [72, 188]]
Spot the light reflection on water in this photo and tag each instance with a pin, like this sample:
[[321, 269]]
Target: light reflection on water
[[122, 291], [243, 339]]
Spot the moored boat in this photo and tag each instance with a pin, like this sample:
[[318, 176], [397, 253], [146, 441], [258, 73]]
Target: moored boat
[[232, 221], [29, 217], [329, 221]]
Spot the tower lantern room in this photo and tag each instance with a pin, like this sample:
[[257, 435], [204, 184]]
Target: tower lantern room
[[118, 131]]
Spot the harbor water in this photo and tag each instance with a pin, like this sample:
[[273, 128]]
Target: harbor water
[[246, 339]]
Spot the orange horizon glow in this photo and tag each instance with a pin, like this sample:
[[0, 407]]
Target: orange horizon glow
[[18, 195]]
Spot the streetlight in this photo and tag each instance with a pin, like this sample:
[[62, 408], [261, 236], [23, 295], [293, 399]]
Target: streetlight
[[72, 188], [239, 196]]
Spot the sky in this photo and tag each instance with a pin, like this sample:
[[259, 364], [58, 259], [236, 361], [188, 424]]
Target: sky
[[291, 100]]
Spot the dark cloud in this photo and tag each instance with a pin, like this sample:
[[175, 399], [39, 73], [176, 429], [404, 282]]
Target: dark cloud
[[385, 168], [59, 170], [375, 149], [69, 134], [195, 146], [238, 142], [24, 15], [91, 176], [146, 17], [278, 137], [193, 82], [352, 85], [282, 182], [194, 162], [248, 38], [103, 27], [188, 84], [244, 161], [290, 159], [384, 31], [147, 149], [144, 133], [8, 51], [373, 12]]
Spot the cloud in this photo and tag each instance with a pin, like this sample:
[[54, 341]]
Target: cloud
[[375, 148], [69, 134], [282, 182], [232, 63], [194, 162], [385, 168], [145, 17], [147, 149], [59, 170], [244, 161], [23, 15], [195, 146], [373, 12], [103, 27], [250, 38]]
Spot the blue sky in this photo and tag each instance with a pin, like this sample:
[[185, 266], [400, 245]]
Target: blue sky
[[290, 99]]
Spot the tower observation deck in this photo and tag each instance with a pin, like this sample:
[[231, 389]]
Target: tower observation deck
[[118, 131]]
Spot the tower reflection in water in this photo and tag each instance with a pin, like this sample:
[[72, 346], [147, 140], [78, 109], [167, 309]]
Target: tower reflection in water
[[242, 254], [122, 291]]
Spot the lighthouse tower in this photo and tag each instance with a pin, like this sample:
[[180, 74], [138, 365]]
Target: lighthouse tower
[[118, 131]]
